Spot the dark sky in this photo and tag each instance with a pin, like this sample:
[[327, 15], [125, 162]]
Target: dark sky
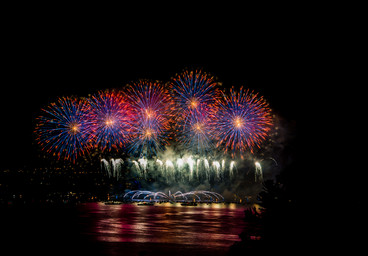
[[42, 65]]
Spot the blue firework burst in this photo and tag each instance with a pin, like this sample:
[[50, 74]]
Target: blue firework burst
[[242, 122], [152, 111], [62, 129]]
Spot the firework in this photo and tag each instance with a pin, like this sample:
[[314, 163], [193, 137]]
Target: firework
[[194, 91], [183, 169], [200, 196], [242, 122], [258, 175], [113, 168], [109, 120], [143, 118], [62, 129], [195, 96], [195, 134], [152, 112]]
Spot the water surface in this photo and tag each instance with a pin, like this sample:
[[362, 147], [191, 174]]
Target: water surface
[[126, 229], [216, 225], [164, 228]]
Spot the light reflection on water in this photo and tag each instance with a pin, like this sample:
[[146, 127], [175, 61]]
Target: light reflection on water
[[205, 225]]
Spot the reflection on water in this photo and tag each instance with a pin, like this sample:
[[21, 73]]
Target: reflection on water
[[216, 225]]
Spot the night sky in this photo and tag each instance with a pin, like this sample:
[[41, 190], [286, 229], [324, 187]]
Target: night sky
[[47, 63]]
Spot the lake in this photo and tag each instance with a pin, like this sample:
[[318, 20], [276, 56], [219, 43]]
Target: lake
[[126, 229]]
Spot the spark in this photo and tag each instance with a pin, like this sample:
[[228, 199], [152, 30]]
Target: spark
[[238, 122]]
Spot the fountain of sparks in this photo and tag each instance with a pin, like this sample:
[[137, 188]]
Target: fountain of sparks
[[258, 175], [200, 196], [113, 167], [184, 169]]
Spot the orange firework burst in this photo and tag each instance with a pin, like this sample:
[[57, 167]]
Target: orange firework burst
[[242, 122]]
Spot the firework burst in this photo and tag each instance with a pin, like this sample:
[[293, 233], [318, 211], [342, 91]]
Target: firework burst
[[152, 112], [242, 121], [196, 99], [109, 120], [146, 116], [62, 129], [196, 135], [194, 91]]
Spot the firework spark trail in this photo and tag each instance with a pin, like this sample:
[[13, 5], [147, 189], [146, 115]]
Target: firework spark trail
[[180, 163], [190, 162], [232, 167], [207, 168], [197, 168], [113, 168], [186, 169], [152, 108], [105, 164], [192, 196], [143, 166], [217, 169], [160, 166], [258, 175], [116, 165], [136, 166], [242, 121], [62, 128], [169, 168]]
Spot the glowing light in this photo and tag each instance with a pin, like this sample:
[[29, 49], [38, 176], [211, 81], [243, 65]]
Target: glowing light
[[198, 127], [238, 122], [109, 122], [242, 122], [232, 167], [146, 116], [74, 128], [149, 113], [200, 196], [113, 168], [62, 129], [180, 163], [258, 175], [159, 162], [196, 96], [169, 164], [148, 133], [190, 162], [152, 107], [193, 103]]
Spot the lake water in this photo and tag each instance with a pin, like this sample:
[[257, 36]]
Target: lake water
[[129, 229]]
